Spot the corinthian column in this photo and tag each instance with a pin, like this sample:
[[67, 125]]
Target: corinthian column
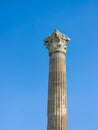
[[56, 44]]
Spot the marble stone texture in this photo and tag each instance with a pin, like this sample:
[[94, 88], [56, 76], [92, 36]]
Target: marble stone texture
[[57, 106]]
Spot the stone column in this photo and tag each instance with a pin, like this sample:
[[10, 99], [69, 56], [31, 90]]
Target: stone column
[[57, 107]]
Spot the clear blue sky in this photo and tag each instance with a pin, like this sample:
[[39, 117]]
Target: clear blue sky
[[24, 62]]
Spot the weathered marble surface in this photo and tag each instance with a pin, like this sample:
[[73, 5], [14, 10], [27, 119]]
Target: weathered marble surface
[[57, 106]]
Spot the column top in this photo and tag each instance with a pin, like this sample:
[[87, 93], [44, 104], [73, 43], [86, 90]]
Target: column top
[[56, 42]]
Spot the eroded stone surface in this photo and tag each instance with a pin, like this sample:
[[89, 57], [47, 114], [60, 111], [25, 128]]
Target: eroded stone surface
[[57, 106]]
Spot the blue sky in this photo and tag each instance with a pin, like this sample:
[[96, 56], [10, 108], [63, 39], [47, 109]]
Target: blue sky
[[24, 62]]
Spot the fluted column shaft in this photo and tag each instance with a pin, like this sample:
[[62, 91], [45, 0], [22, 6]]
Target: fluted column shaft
[[57, 111], [56, 43]]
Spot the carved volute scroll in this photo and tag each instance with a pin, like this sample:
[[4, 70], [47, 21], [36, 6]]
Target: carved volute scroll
[[56, 42]]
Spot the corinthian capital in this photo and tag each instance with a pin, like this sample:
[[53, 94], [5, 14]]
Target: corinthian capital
[[56, 42]]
